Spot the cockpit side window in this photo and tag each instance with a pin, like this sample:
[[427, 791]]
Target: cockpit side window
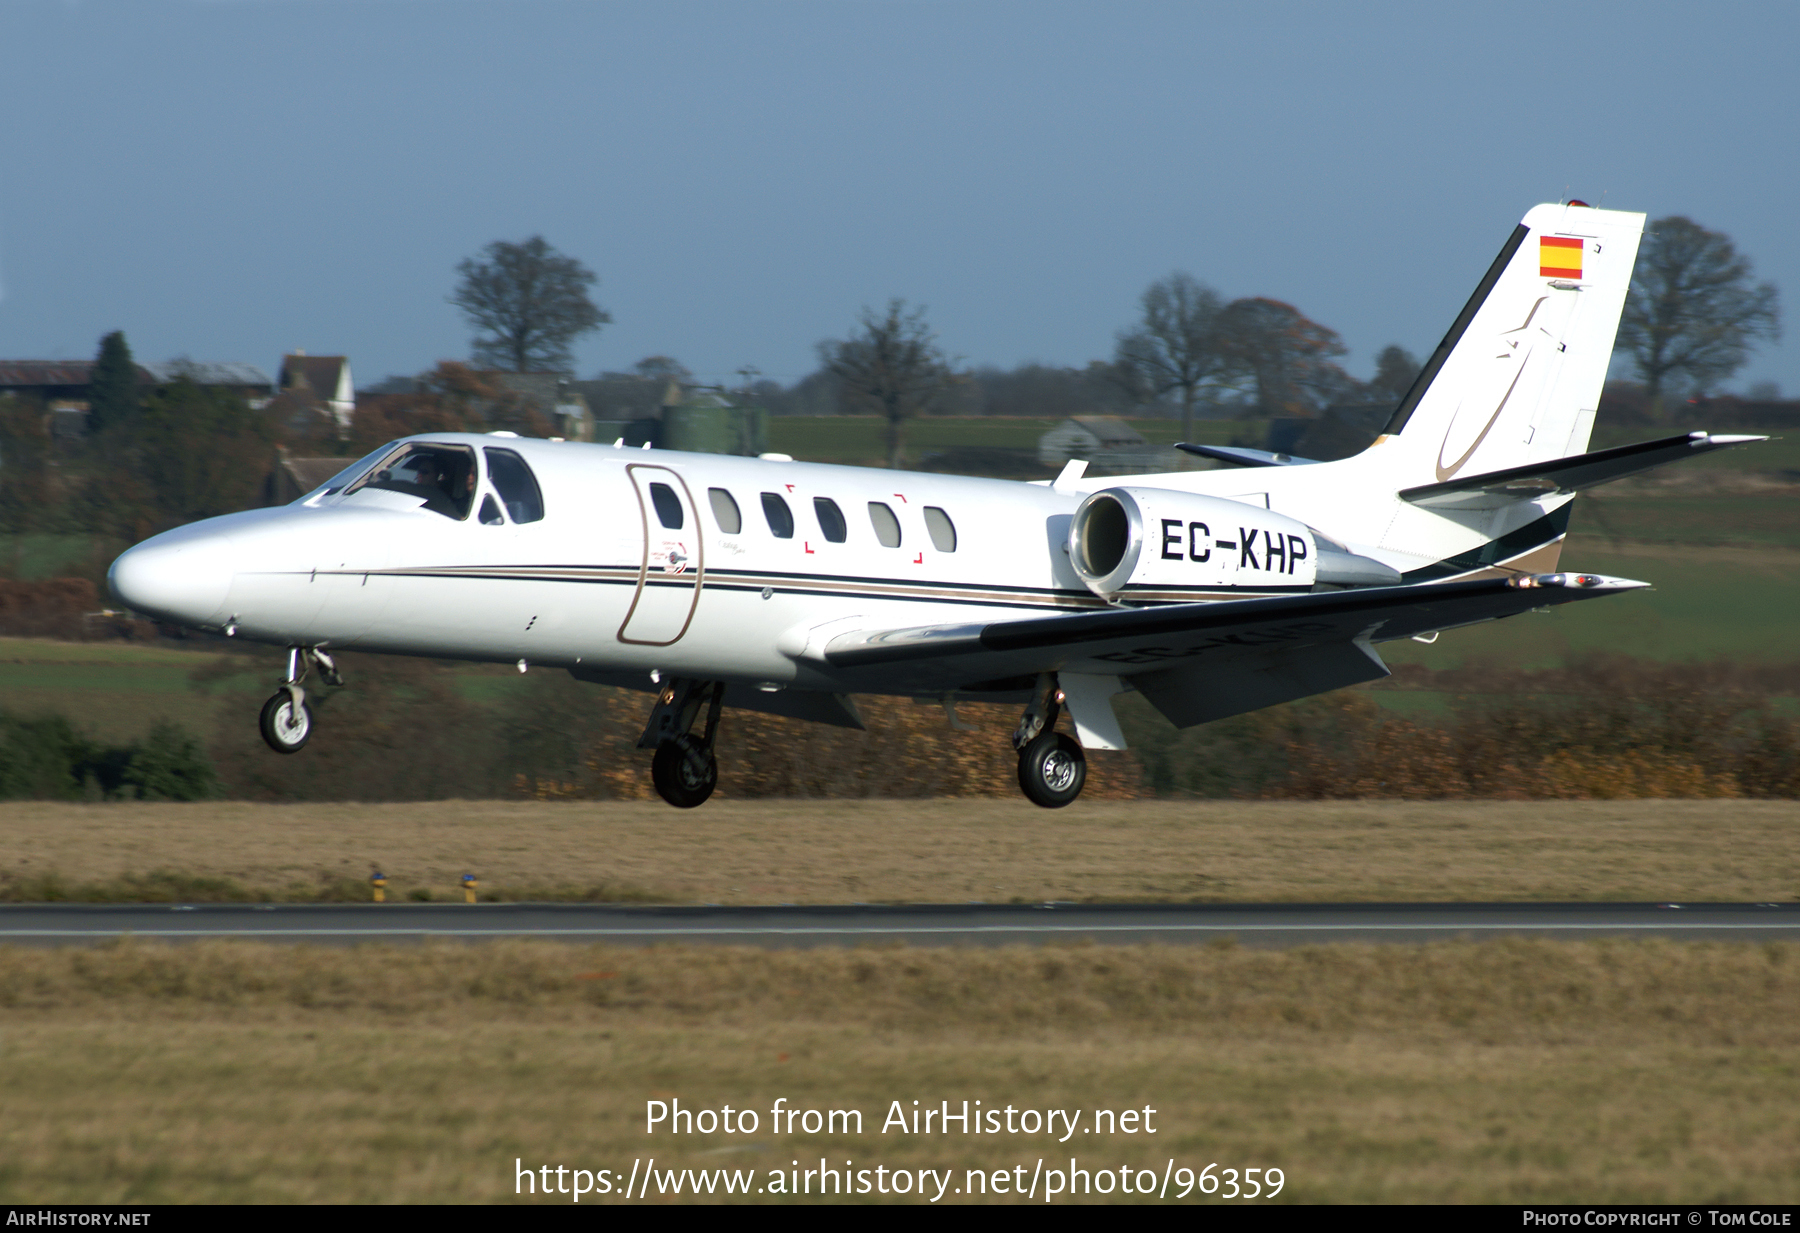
[[517, 486], [442, 476]]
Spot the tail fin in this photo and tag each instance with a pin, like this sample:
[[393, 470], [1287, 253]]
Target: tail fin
[[1517, 378]]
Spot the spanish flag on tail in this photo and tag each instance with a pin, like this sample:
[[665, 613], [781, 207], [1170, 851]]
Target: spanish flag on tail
[[1559, 257]]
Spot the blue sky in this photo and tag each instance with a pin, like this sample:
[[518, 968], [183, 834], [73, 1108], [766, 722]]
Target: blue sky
[[231, 179]]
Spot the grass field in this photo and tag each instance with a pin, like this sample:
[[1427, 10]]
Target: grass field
[[1504, 1071], [114, 689], [42, 554], [1726, 602], [911, 851], [861, 440]]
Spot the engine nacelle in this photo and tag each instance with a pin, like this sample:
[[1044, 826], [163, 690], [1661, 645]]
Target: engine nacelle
[[1158, 545]]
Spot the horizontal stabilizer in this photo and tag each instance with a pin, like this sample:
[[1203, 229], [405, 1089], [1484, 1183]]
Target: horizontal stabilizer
[[1243, 456], [1565, 475]]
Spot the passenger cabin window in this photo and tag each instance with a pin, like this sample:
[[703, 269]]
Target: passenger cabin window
[[887, 527], [668, 506], [780, 517], [831, 520], [441, 476], [517, 487], [725, 511], [943, 531]]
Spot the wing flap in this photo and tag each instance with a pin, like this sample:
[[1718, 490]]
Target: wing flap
[[1205, 692]]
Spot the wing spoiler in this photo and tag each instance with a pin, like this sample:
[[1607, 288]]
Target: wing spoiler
[[1564, 475]]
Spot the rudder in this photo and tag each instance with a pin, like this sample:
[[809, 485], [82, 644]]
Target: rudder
[[1518, 377]]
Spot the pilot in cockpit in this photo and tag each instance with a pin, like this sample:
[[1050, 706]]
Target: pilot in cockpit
[[451, 485]]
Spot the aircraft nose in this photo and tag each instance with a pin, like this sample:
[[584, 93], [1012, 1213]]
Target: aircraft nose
[[185, 580]]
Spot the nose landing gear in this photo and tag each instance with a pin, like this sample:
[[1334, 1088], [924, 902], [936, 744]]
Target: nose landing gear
[[1052, 768], [287, 720], [684, 767]]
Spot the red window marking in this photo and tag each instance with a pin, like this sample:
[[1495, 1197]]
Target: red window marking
[[919, 560], [790, 487], [804, 544], [902, 497]]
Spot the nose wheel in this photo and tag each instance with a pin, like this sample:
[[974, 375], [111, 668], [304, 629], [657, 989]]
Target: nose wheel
[[286, 724], [287, 720], [1052, 768]]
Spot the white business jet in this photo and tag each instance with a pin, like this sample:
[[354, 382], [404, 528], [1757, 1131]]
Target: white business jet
[[787, 587]]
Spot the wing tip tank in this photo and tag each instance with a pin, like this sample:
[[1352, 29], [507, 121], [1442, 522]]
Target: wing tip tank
[[1576, 581]]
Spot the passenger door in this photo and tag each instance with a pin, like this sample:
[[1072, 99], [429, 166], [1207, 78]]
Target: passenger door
[[673, 566]]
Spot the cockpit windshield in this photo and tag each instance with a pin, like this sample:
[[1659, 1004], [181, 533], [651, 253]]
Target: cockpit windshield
[[441, 476], [338, 482]]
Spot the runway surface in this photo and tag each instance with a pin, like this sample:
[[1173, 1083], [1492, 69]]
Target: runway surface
[[1272, 924]]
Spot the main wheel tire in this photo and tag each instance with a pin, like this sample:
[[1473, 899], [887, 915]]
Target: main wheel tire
[[284, 730], [678, 780], [1052, 770]]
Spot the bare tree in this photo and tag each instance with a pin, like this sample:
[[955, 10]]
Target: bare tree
[[664, 368], [1395, 371], [1175, 344], [531, 301], [1285, 356], [893, 366], [1693, 313]]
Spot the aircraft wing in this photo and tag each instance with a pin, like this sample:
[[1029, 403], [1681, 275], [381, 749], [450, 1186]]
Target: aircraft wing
[[1187, 657]]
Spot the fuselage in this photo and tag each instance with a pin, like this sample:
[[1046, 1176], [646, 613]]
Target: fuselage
[[728, 568]]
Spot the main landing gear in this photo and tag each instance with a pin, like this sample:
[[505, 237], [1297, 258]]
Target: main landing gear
[[1052, 768], [287, 720], [684, 767]]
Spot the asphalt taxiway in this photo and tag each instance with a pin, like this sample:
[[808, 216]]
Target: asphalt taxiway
[[985, 924]]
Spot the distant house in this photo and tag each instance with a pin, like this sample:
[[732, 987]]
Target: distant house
[[321, 379], [1108, 443], [552, 396], [247, 380], [63, 385], [51, 380], [1086, 435], [621, 398], [292, 478]]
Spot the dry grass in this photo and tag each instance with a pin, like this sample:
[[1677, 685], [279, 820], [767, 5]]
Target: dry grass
[[1508, 1070], [916, 851]]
